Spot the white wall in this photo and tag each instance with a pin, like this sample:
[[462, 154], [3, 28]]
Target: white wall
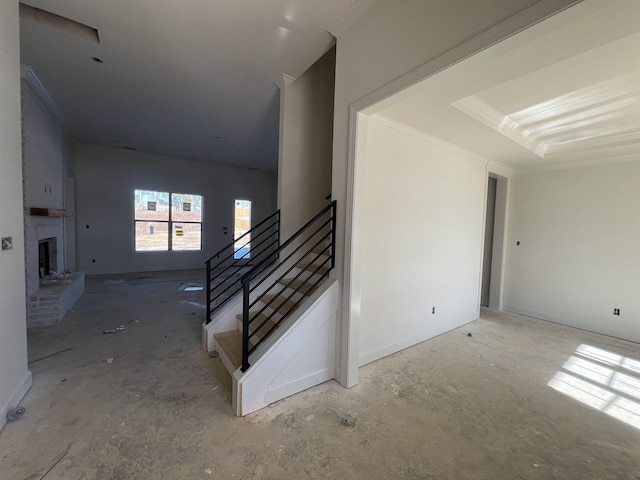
[[423, 224], [578, 257], [15, 378], [306, 142], [384, 50], [46, 162], [105, 181]]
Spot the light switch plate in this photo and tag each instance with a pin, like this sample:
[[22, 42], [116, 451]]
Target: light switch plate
[[7, 243]]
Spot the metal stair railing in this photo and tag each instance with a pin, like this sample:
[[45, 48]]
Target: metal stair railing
[[224, 275], [311, 250]]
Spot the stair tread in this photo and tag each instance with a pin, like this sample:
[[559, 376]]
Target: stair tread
[[313, 267], [256, 323], [279, 300], [322, 249], [299, 285], [230, 343]]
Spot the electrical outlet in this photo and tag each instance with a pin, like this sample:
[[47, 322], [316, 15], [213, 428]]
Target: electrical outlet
[[7, 243], [616, 311], [433, 310]]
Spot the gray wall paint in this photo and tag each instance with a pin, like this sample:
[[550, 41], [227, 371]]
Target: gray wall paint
[[578, 257], [15, 378], [105, 181], [306, 143]]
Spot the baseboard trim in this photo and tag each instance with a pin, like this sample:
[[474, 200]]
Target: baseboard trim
[[378, 353], [16, 398]]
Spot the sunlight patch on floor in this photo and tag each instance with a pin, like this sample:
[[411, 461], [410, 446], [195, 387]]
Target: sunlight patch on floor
[[603, 380]]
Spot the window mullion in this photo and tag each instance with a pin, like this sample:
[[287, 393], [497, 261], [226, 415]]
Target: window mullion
[[170, 222]]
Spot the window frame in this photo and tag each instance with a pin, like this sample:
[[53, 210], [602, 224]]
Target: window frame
[[169, 221]]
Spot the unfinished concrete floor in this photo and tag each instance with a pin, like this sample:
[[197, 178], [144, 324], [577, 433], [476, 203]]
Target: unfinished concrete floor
[[455, 407]]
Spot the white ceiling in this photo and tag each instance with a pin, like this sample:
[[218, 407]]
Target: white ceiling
[[189, 78], [566, 90]]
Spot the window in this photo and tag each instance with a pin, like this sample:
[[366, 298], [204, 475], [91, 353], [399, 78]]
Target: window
[[167, 221]]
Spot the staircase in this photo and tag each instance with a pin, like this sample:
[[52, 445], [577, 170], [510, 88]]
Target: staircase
[[272, 322]]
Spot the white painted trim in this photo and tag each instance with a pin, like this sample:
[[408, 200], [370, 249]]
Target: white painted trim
[[224, 320], [499, 254], [287, 350], [414, 132], [299, 384], [567, 322], [476, 108], [509, 27], [378, 353], [29, 76], [352, 264], [352, 14], [499, 168], [375, 101], [15, 399], [288, 79], [632, 157]]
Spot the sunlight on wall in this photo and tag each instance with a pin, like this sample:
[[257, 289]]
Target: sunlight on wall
[[603, 380]]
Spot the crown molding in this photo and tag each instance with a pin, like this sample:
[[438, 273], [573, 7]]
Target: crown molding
[[288, 79], [29, 76], [632, 157], [414, 132], [476, 108], [352, 14], [500, 168]]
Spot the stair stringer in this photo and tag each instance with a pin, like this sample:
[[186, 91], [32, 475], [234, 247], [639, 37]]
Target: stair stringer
[[300, 355]]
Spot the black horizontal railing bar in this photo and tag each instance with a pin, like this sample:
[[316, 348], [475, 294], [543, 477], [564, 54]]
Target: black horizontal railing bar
[[289, 256], [295, 264], [296, 277], [249, 274], [258, 250], [254, 241], [254, 315], [233, 281], [317, 237], [231, 249], [231, 276], [273, 215], [279, 321], [265, 236], [291, 308]]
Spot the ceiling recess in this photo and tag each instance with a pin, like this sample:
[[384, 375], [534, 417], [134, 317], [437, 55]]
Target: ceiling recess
[[59, 22]]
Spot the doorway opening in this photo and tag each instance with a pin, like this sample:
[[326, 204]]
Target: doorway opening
[[242, 225]]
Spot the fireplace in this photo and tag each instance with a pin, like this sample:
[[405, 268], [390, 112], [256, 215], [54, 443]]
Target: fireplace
[[47, 257]]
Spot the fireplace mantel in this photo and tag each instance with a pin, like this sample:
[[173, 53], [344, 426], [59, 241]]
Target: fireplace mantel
[[50, 212]]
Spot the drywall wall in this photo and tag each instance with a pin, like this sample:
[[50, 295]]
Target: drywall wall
[[105, 181], [46, 160], [306, 142], [423, 224], [578, 257], [381, 50], [15, 378]]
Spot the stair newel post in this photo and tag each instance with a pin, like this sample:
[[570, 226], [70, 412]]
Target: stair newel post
[[333, 234], [245, 324], [208, 284]]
